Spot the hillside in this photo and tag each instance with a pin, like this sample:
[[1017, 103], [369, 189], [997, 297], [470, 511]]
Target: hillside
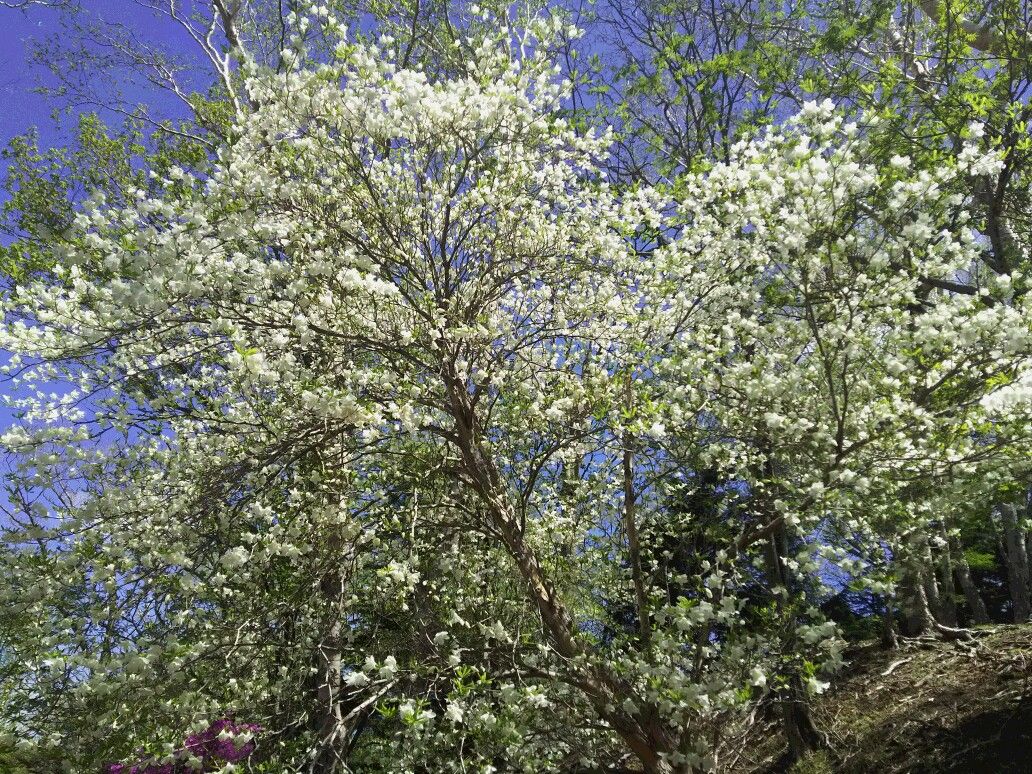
[[930, 706]]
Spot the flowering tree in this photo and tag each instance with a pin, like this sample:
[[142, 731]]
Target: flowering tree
[[375, 436], [692, 77]]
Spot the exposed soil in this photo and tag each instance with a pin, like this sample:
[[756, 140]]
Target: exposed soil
[[963, 707]]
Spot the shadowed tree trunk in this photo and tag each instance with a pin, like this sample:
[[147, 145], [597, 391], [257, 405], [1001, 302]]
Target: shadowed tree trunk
[[929, 580], [975, 604], [917, 616], [803, 736], [889, 640], [797, 721], [1016, 558], [947, 588]]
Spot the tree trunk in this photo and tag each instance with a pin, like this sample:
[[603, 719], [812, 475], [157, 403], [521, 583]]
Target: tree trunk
[[803, 736], [1016, 559], [975, 604], [889, 640], [329, 718], [928, 579], [797, 721], [631, 529], [917, 617], [644, 733], [1028, 550], [947, 588]]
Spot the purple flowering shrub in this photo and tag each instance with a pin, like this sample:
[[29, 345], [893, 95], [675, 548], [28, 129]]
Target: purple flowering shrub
[[218, 744]]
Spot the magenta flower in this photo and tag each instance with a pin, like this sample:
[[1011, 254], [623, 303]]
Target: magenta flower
[[219, 743]]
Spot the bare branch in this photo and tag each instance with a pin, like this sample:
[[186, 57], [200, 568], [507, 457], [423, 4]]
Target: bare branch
[[985, 39], [21, 5]]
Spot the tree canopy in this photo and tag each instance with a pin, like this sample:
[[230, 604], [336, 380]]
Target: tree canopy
[[512, 388]]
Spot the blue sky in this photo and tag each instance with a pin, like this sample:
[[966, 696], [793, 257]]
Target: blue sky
[[21, 107]]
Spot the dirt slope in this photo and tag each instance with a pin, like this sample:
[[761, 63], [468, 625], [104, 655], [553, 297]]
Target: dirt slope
[[930, 706]]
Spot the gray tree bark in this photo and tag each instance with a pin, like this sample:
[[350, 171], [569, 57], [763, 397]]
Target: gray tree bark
[[1016, 558], [917, 616], [928, 578], [329, 718], [889, 640], [972, 597], [947, 613]]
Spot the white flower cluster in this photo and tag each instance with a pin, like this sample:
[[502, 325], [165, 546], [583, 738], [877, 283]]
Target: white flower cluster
[[389, 406]]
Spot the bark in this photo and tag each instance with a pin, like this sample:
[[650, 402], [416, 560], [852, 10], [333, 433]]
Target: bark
[[972, 597], [928, 579], [329, 716], [631, 530], [947, 588], [983, 38], [645, 734], [889, 640], [917, 617], [1016, 559], [796, 719], [803, 736]]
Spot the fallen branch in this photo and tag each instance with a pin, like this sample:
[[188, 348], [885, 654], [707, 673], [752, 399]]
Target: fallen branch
[[894, 665]]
